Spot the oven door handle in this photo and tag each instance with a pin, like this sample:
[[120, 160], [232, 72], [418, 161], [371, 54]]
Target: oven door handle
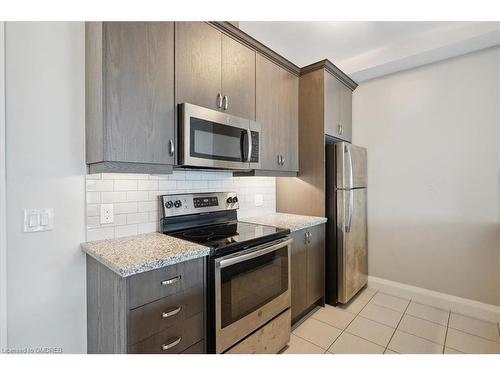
[[252, 254]]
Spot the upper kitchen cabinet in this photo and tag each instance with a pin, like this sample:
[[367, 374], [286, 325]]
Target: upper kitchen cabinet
[[325, 108], [130, 117], [338, 108], [277, 110], [214, 70]]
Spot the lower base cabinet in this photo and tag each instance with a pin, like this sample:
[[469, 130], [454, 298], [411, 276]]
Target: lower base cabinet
[[160, 311], [307, 270]]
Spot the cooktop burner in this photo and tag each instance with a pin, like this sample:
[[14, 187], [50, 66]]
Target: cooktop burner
[[229, 234]]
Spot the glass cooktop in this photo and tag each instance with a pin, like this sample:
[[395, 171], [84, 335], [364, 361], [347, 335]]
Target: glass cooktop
[[230, 234]]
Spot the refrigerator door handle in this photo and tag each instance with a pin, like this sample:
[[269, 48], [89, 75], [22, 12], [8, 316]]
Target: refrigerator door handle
[[349, 163], [349, 210]]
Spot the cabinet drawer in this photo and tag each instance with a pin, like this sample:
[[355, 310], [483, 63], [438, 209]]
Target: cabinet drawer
[[180, 337], [150, 286], [198, 348], [156, 316]]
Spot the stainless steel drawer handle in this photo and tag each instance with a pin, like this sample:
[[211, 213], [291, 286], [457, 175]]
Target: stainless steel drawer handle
[[172, 344], [170, 313], [171, 281], [225, 101]]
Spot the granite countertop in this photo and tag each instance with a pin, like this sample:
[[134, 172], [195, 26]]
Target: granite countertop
[[287, 221], [128, 256]]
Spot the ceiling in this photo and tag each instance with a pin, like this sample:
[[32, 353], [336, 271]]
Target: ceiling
[[366, 50]]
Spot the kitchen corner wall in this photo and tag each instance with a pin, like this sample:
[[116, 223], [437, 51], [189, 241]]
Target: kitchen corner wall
[[432, 135], [136, 203]]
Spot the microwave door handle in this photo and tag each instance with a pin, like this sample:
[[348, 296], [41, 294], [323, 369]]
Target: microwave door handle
[[250, 255], [249, 136]]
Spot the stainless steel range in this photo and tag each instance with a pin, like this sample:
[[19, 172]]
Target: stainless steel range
[[248, 271]]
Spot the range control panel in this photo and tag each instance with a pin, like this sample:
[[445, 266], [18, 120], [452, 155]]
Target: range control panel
[[185, 204], [205, 202]]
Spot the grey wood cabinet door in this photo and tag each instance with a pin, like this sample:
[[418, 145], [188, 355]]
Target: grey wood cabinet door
[[346, 113], [316, 264], [338, 108], [139, 119], [298, 275], [277, 112], [198, 64], [238, 78]]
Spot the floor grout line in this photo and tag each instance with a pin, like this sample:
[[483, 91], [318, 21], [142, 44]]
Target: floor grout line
[[355, 316], [428, 320], [393, 333], [447, 327]]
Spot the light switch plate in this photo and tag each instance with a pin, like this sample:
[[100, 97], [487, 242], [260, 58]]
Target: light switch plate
[[38, 219], [107, 214], [259, 200]]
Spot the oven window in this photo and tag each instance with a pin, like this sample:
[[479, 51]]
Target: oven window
[[249, 285], [210, 140]]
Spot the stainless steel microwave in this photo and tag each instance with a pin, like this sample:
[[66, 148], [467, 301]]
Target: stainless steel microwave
[[213, 139]]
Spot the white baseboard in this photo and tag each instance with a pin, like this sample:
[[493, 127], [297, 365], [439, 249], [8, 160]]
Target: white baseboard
[[445, 301]]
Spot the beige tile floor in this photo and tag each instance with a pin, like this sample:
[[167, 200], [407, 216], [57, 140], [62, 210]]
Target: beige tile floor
[[378, 323]]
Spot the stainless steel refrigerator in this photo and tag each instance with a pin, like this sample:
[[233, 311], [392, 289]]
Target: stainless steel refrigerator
[[347, 237]]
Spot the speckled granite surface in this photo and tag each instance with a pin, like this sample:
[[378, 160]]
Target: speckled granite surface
[[128, 256], [287, 221]]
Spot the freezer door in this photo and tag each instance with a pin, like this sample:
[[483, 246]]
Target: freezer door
[[351, 166], [352, 242]]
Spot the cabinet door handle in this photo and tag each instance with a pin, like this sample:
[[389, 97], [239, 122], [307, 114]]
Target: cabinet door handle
[[171, 281], [170, 313], [279, 159], [219, 100], [172, 344], [225, 101], [340, 129], [171, 147], [282, 160]]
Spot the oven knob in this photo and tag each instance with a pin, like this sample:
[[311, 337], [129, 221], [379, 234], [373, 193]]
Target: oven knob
[[177, 204], [229, 200], [235, 199], [169, 204]]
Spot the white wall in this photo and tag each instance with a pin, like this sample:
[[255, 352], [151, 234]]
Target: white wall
[[432, 135], [45, 168], [136, 203]]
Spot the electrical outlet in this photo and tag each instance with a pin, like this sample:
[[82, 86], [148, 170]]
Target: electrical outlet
[[259, 200], [107, 215]]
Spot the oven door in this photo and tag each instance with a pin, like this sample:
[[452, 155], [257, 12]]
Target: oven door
[[251, 288], [213, 139]]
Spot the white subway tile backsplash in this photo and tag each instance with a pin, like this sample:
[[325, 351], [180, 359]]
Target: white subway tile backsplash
[[93, 209], [125, 208], [139, 217], [93, 197], [167, 185], [125, 185], [125, 230], [135, 196], [99, 185], [147, 206], [147, 228], [100, 234], [137, 206], [113, 196], [147, 185]]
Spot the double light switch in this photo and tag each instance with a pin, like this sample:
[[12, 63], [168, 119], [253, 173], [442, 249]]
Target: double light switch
[[38, 219]]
